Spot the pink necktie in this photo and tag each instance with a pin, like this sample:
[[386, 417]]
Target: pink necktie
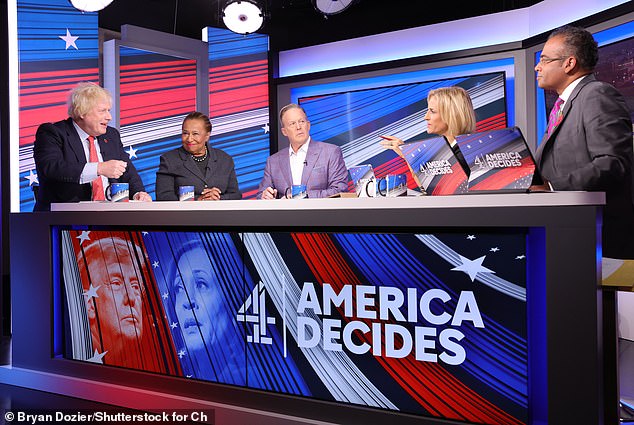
[[97, 184], [555, 116]]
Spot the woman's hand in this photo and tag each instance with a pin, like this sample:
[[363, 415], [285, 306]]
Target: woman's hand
[[392, 142], [210, 194]]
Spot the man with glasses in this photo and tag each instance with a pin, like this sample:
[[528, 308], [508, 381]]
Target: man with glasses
[[319, 166], [588, 143]]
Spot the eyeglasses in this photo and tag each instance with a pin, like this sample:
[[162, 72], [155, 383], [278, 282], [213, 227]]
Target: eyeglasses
[[294, 124], [544, 60]]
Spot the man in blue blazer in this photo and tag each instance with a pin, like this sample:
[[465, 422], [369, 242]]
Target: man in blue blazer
[[589, 144], [317, 165], [65, 170]]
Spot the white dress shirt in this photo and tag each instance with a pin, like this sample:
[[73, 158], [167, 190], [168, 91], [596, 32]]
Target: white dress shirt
[[298, 161], [89, 173], [568, 91]]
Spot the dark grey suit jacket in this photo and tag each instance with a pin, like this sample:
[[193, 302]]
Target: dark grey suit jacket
[[324, 174], [591, 149], [60, 159], [177, 168]]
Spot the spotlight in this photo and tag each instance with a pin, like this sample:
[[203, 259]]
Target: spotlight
[[331, 7], [243, 16], [90, 5]]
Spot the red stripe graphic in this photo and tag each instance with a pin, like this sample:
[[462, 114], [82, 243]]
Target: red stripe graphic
[[43, 98], [506, 177], [429, 384], [492, 123], [238, 88], [448, 183]]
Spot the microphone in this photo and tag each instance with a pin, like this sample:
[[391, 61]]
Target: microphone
[[305, 163]]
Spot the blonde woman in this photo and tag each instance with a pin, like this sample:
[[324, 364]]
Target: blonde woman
[[449, 113]]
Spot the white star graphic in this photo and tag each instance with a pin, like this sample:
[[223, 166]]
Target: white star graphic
[[155, 264], [69, 39], [188, 376], [92, 292], [471, 237], [32, 178], [144, 233], [83, 236], [165, 295], [181, 354], [266, 128], [131, 152], [472, 267], [97, 358], [173, 325], [520, 257], [494, 249]]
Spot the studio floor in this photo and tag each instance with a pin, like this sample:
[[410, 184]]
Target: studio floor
[[14, 399]]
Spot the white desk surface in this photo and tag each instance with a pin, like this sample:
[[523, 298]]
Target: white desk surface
[[551, 199]]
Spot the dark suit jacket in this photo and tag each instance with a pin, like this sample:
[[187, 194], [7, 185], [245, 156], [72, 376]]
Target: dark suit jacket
[[591, 149], [324, 174], [461, 159], [60, 158], [177, 168]]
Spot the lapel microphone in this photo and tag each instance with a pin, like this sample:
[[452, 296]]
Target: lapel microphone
[[305, 163]]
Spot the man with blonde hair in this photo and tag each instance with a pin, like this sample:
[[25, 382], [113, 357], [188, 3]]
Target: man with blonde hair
[[78, 157]]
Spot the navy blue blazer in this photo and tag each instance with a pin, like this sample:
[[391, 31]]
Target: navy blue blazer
[[60, 158]]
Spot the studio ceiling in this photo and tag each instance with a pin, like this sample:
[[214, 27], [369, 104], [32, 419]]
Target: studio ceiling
[[296, 23]]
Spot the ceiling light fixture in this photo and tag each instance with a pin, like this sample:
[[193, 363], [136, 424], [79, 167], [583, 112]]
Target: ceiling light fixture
[[331, 7], [90, 5], [243, 16]]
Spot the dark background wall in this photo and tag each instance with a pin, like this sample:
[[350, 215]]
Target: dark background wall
[[296, 23]]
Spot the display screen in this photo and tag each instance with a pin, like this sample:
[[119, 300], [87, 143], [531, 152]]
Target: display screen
[[614, 67], [428, 324], [356, 119], [616, 55]]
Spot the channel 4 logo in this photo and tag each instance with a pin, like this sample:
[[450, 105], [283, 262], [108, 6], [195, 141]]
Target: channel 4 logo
[[253, 311]]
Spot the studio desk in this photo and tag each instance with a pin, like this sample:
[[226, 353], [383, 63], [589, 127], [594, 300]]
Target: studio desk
[[474, 308]]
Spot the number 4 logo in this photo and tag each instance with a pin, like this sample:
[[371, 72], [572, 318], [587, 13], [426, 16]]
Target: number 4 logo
[[253, 310], [479, 160]]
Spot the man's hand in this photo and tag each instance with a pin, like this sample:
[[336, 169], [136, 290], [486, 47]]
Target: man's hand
[[142, 196], [545, 187], [269, 193], [112, 169]]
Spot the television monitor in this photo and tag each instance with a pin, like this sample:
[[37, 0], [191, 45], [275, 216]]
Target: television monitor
[[311, 315], [616, 56], [355, 119]]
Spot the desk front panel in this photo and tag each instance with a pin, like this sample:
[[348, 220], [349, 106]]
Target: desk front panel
[[415, 312], [429, 324]]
